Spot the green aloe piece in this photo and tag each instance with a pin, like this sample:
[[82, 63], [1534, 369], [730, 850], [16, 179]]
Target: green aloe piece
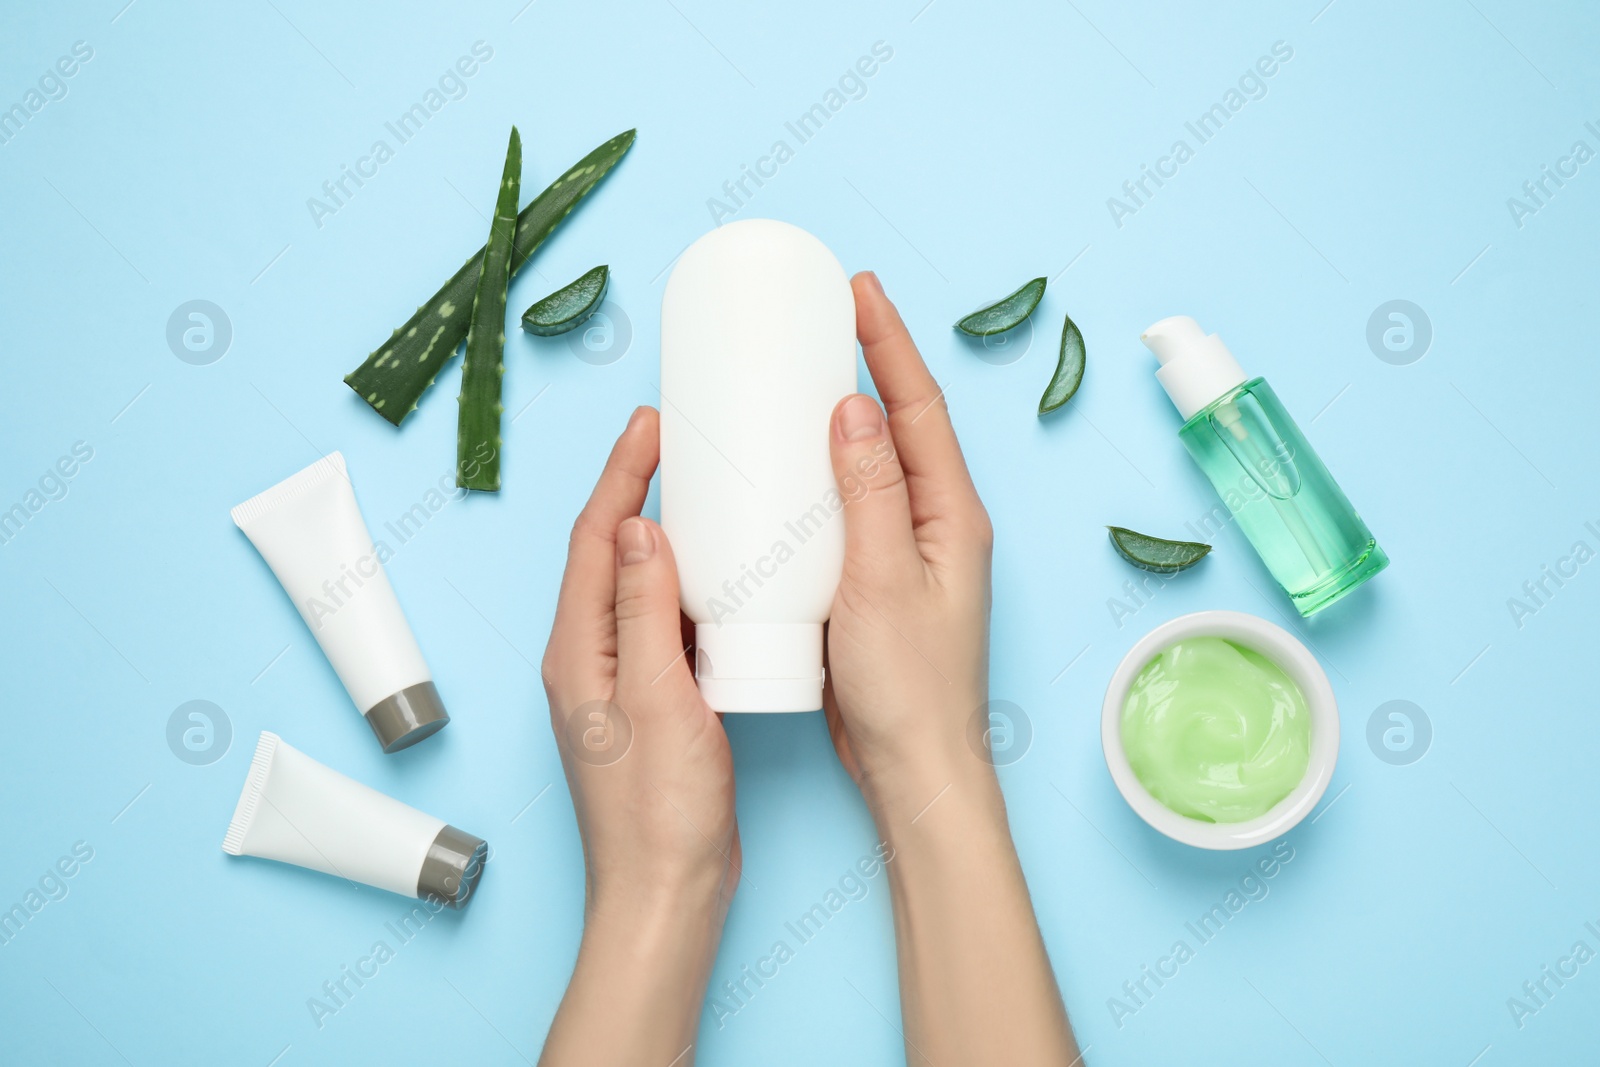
[[1005, 314], [1155, 553], [568, 307], [395, 376], [1069, 369], [478, 421]]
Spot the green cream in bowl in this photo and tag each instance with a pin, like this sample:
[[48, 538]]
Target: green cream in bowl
[[1215, 730], [1220, 730]]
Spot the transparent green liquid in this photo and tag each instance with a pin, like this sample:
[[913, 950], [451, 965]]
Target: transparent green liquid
[[1282, 496], [1216, 731]]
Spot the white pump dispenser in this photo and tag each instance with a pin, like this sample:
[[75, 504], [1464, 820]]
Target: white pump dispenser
[[757, 347], [1196, 367]]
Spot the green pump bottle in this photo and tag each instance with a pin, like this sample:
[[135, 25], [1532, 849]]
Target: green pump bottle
[[1272, 481]]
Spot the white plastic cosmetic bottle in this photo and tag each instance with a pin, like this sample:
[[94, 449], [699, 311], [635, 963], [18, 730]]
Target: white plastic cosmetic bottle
[[757, 347]]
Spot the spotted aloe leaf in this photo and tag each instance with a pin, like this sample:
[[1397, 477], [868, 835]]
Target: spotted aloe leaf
[[478, 421], [395, 376]]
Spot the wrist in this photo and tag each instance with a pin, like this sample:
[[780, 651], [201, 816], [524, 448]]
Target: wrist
[[639, 980], [908, 791], [629, 881], [942, 819], [952, 857], [656, 954], [677, 920]]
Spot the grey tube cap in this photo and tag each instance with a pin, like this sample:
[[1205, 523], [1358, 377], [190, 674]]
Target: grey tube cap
[[451, 870], [402, 719]]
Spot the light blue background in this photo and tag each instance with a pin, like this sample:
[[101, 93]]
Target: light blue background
[[1376, 167]]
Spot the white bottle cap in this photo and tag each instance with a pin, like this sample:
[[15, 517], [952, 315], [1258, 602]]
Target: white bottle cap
[[1196, 367], [759, 666]]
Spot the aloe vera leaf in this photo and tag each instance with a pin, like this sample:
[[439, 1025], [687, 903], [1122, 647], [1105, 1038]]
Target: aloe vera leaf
[[1069, 369], [395, 376], [1156, 553], [483, 367], [1004, 314], [568, 307]]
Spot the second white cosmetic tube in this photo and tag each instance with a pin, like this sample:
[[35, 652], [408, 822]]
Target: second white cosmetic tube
[[310, 531], [757, 347], [295, 810]]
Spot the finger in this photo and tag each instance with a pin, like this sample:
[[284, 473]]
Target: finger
[[650, 652], [583, 638], [919, 420], [877, 511]]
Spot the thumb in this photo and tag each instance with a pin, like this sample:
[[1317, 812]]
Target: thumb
[[650, 651], [877, 509]]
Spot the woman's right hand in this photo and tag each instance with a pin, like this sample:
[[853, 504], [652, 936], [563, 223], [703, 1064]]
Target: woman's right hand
[[908, 682], [908, 641]]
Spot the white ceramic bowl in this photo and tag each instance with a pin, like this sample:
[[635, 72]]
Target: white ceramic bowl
[[1275, 644]]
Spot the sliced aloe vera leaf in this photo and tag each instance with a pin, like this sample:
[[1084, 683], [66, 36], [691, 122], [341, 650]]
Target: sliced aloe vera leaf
[[394, 377], [1069, 369], [478, 420], [568, 307], [1155, 553], [1004, 314]]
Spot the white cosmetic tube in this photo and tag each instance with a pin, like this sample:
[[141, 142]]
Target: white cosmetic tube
[[295, 810], [757, 347], [310, 531]]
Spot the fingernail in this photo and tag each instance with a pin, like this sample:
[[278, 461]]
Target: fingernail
[[636, 542], [633, 420], [873, 282], [860, 419]]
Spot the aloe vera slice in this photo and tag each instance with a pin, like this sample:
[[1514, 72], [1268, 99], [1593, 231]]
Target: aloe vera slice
[[395, 376], [483, 367], [1155, 553], [1069, 369], [1004, 314], [568, 307]]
